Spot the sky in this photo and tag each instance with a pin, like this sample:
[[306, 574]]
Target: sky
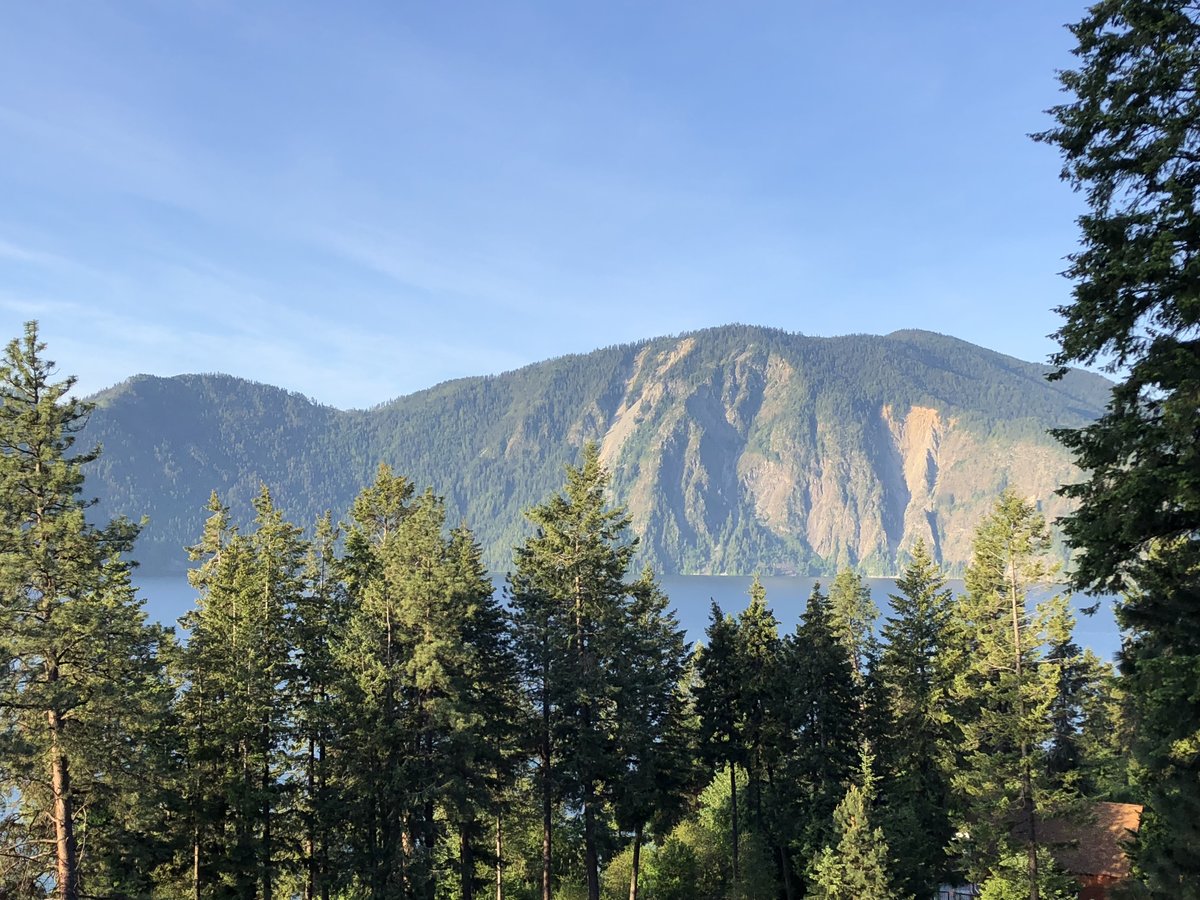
[[359, 200]]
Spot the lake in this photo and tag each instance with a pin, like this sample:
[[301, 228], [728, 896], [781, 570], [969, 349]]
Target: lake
[[169, 597]]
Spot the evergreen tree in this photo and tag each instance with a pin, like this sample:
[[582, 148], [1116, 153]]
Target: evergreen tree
[[202, 673], [275, 585], [1127, 136], [1106, 734], [373, 767], [416, 578], [571, 601], [319, 618], [538, 634], [1074, 675], [654, 739], [718, 701], [482, 752], [764, 726], [860, 866], [758, 651], [1003, 690], [919, 736], [825, 713], [236, 674], [80, 680], [852, 615]]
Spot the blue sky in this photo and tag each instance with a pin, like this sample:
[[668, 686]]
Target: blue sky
[[358, 200]]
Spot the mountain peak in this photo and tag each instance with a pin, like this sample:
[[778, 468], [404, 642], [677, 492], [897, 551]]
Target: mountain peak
[[736, 448]]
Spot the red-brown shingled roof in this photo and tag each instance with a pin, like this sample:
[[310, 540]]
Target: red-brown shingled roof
[[1095, 844]]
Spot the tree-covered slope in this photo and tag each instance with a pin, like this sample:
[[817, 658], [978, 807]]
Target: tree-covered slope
[[736, 448]]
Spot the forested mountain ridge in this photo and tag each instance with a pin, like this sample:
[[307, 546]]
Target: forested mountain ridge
[[736, 448]]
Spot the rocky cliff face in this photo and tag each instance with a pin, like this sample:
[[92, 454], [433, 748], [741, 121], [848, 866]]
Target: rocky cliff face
[[735, 449], [722, 458]]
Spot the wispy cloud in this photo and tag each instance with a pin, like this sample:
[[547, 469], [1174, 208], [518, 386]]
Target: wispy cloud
[[24, 254]]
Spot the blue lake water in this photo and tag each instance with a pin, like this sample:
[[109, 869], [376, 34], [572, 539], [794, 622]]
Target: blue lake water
[[168, 598]]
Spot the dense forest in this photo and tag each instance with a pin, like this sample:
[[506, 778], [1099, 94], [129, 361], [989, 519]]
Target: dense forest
[[735, 449], [351, 712]]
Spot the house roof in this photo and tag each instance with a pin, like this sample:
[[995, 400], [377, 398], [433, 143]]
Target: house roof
[[1093, 844]]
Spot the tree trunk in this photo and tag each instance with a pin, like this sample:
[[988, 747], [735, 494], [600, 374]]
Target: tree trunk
[[785, 870], [323, 839], [547, 804], [499, 861], [1015, 601], [195, 790], [66, 859], [408, 846], [466, 860], [786, 867], [637, 861], [310, 841], [266, 814], [196, 860], [429, 839], [1033, 860], [734, 817], [591, 860]]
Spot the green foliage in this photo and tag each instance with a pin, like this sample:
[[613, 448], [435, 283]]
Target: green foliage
[[719, 691], [852, 615], [601, 713], [655, 738], [1127, 136], [81, 685], [860, 864], [825, 718], [1004, 688], [1010, 880], [757, 655], [231, 674], [489, 445], [916, 749], [695, 859], [355, 719]]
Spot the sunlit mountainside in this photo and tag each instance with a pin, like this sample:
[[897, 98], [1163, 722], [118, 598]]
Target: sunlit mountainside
[[736, 449]]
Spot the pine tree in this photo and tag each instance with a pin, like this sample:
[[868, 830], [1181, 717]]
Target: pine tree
[[80, 679], [236, 673], [718, 701], [372, 767], [538, 634], [275, 584], [1128, 142], [201, 672], [484, 751], [1073, 675], [318, 621], [459, 685], [860, 866], [654, 740], [916, 746], [758, 670], [764, 726], [852, 615], [1106, 734], [1003, 691], [825, 716], [570, 598], [416, 577]]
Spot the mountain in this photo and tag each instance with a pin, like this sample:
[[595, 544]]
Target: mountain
[[736, 449]]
